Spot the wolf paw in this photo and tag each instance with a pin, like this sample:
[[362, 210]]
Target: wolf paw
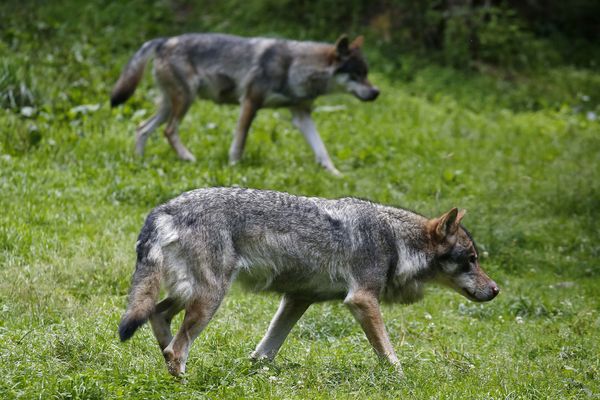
[[187, 156], [174, 364], [335, 172], [332, 170]]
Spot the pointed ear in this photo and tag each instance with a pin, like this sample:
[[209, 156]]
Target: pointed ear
[[446, 226], [460, 216], [357, 43], [342, 46]]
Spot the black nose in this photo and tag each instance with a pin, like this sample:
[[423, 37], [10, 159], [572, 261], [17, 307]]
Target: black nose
[[495, 290], [374, 94]]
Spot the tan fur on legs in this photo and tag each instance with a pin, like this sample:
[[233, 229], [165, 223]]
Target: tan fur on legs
[[364, 305], [247, 114], [160, 321], [197, 316], [180, 105]]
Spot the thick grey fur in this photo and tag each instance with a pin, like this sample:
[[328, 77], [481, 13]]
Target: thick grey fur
[[309, 249]]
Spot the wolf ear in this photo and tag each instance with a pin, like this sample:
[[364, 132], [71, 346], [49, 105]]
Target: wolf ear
[[357, 43], [342, 46], [446, 226], [460, 216]]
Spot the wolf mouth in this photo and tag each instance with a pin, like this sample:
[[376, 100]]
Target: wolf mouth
[[471, 295]]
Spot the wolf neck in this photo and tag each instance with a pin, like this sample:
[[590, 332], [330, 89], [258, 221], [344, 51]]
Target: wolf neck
[[412, 269], [311, 73]]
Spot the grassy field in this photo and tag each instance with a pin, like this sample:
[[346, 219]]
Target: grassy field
[[521, 155]]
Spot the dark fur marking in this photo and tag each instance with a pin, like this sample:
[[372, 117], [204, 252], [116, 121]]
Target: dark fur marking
[[355, 66], [127, 327], [120, 98], [145, 238]]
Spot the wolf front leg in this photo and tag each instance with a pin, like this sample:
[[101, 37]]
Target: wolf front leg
[[302, 120], [289, 312], [364, 305]]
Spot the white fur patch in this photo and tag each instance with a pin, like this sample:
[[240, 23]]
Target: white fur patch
[[410, 263], [172, 42], [179, 280], [166, 235], [406, 286], [465, 281], [449, 268], [260, 45], [166, 231], [345, 84], [155, 254]]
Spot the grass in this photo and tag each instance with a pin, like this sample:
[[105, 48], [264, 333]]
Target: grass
[[520, 154]]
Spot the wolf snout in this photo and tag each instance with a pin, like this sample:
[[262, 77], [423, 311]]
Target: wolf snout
[[373, 94], [491, 293], [366, 92], [482, 294]]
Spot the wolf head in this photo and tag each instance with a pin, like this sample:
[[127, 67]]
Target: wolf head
[[456, 258], [351, 69]]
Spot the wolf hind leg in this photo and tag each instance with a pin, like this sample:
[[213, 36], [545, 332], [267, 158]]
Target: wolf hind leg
[[249, 108], [146, 128], [212, 266], [197, 316], [289, 312], [180, 106], [161, 319]]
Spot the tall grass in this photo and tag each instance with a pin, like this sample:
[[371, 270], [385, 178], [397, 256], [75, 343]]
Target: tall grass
[[520, 154]]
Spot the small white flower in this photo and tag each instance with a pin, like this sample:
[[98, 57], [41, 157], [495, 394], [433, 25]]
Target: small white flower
[[139, 114], [519, 319], [27, 111]]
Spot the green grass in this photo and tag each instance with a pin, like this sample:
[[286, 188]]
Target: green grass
[[521, 155]]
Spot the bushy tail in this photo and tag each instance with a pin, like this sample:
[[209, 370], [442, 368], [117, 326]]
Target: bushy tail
[[142, 300], [145, 284], [133, 72]]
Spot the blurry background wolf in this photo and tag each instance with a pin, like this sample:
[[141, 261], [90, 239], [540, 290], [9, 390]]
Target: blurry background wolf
[[254, 72]]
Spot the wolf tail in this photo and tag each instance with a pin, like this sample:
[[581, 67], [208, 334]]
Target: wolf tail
[[145, 286], [133, 72]]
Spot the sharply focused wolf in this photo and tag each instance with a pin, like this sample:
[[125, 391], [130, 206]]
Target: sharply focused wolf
[[253, 72], [309, 249]]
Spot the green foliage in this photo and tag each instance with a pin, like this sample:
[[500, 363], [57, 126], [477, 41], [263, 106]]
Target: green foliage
[[517, 149], [15, 87]]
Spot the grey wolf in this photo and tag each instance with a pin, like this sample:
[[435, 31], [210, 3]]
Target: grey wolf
[[252, 72], [306, 248]]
